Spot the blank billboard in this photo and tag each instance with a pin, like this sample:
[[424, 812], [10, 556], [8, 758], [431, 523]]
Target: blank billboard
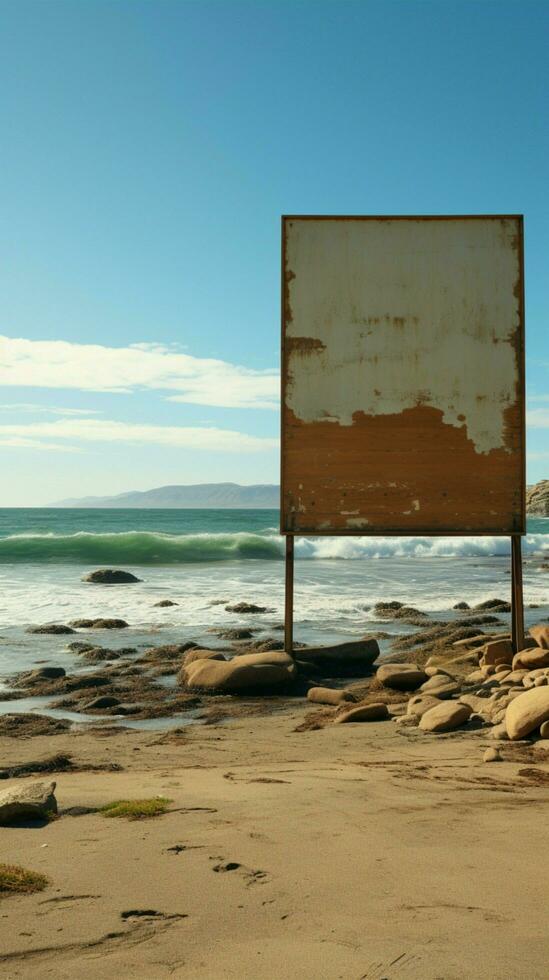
[[402, 375]]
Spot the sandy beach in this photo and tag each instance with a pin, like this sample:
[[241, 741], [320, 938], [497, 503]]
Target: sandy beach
[[352, 851]]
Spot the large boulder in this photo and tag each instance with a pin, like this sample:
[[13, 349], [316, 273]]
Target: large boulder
[[445, 717], [254, 673], [401, 677], [110, 576], [441, 686], [527, 712], [420, 703], [540, 634], [342, 659], [531, 658], [32, 802], [497, 652], [376, 711]]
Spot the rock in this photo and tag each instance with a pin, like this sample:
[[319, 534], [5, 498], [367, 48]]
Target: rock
[[343, 659], [80, 646], [544, 729], [42, 674], [432, 671], [395, 610], [246, 607], [541, 681], [492, 755], [515, 677], [110, 576], [497, 652], [476, 677], [55, 629], [170, 651], [407, 721], [29, 724], [499, 732], [537, 499], [498, 605], [461, 606], [445, 717], [234, 634], [263, 646], [482, 705], [164, 604], [531, 658], [127, 708], [100, 624], [420, 703], [376, 711], [401, 677], [441, 686], [31, 802], [381, 608], [198, 654], [253, 673], [100, 654], [102, 702], [540, 634], [527, 712], [328, 695]]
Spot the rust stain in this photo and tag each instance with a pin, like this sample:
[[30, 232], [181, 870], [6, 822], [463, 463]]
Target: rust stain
[[430, 474], [288, 276], [303, 345]]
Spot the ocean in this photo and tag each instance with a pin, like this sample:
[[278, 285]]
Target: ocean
[[206, 559]]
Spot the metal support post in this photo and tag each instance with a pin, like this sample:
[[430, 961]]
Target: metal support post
[[289, 597], [517, 601]]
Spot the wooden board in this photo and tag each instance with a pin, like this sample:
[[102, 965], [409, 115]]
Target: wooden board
[[403, 375]]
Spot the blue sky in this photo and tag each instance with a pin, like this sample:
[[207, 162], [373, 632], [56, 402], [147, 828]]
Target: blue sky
[[148, 151]]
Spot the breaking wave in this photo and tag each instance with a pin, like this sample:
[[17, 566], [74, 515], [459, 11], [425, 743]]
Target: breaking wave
[[152, 548]]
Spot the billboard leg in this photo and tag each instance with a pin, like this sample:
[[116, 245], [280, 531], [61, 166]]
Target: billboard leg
[[289, 597], [517, 601]]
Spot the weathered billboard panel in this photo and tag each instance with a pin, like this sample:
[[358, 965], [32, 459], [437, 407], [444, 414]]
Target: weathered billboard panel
[[403, 375]]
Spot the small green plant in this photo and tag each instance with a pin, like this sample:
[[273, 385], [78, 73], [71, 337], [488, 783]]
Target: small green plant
[[136, 809], [15, 880]]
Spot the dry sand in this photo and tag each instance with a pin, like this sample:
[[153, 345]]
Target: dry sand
[[362, 851]]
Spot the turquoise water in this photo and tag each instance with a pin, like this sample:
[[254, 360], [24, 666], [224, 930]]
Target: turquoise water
[[165, 537]]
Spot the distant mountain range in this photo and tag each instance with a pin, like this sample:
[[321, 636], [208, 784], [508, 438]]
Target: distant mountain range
[[215, 495]]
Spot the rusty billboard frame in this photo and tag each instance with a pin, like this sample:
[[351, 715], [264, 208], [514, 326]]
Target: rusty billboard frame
[[519, 526]]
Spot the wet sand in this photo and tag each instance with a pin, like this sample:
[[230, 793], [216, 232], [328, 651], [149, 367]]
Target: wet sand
[[353, 851]]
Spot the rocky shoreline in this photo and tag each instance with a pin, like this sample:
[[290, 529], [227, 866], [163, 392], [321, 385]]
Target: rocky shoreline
[[463, 670]]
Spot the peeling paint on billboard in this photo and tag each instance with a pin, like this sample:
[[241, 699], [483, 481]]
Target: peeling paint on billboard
[[403, 381]]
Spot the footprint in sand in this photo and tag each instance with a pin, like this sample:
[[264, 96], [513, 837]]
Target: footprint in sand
[[249, 874]]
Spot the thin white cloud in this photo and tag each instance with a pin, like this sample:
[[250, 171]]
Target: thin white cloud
[[21, 442], [92, 367], [45, 409], [538, 418], [96, 430]]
